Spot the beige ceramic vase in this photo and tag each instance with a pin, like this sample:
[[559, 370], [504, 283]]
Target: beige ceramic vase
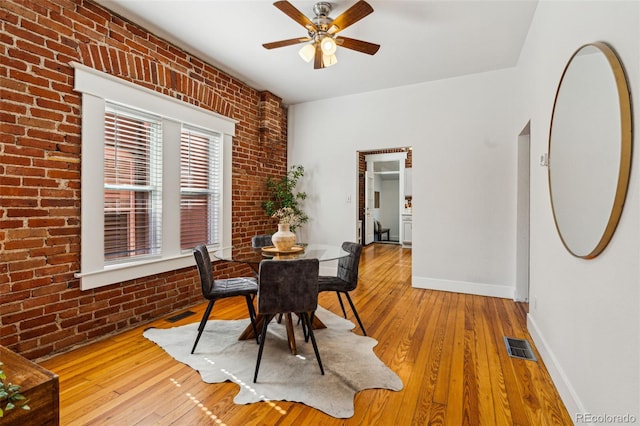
[[284, 239]]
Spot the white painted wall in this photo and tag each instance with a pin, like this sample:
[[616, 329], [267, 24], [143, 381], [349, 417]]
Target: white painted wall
[[586, 319], [464, 173], [585, 314]]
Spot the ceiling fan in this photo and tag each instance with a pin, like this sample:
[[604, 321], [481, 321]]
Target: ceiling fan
[[322, 40]]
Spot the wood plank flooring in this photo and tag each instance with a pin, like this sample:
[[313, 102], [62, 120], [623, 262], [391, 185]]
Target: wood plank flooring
[[446, 347]]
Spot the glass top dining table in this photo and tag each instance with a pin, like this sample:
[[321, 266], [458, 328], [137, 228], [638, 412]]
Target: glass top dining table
[[252, 256]]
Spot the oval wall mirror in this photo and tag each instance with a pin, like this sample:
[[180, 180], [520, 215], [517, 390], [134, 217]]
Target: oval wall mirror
[[590, 149]]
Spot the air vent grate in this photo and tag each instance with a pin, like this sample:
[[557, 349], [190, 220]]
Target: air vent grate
[[519, 348], [180, 316]]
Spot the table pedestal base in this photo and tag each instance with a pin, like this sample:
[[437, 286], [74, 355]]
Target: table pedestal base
[[291, 338]]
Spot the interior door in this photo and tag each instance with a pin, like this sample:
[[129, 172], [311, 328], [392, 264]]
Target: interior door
[[368, 207]]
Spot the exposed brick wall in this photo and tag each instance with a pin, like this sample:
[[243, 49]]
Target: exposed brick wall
[[42, 310]]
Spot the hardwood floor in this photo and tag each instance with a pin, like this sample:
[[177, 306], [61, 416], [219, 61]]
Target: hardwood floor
[[446, 347]]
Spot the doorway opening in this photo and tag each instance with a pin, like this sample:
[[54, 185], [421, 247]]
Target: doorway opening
[[385, 196]]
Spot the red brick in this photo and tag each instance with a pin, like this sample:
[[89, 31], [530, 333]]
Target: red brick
[[89, 308], [68, 342], [20, 276], [48, 139], [33, 350], [73, 321], [30, 284], [56, 106], [53, 289], [22, 244], [27, 233], [25, 212], [18, 191], [59, 335], [6, 330], [10, 307], [24, 171], [38, 332], [56, 25], [22, 316], [101, 331], [92, 324]]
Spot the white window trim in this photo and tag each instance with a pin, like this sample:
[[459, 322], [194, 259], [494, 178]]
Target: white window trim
[[96, 88]]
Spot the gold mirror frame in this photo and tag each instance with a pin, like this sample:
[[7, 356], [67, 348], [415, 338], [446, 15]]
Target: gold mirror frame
[[624, 154]]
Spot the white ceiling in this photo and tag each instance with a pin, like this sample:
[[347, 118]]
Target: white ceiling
[[421, 40]]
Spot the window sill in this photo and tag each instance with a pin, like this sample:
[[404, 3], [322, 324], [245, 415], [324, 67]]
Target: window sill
[[113, 274]]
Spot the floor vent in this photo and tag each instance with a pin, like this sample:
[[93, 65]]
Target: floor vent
[[180, 316], [519, 348]]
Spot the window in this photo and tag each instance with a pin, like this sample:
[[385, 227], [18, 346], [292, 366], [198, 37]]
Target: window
[[132, 185], [199, 188], [156, 180]]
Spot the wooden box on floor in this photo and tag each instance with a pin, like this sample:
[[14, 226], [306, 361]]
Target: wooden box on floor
[[38, 385]]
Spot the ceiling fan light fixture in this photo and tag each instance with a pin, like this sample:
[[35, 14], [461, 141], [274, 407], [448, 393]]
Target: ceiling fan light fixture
[[307, 52], [322, 39], [328, 45], [328, 60]]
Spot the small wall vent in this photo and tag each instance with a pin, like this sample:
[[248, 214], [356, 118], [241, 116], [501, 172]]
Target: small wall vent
[[180, 316]]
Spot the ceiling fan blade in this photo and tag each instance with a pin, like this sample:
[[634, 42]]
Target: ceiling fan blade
[[358, 45], [350, 16], [283, 43], [293, 13], [317, 60]]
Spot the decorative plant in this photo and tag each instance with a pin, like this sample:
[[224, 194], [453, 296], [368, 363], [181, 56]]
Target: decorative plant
[[288, 216], [10, 396], [283, 195]]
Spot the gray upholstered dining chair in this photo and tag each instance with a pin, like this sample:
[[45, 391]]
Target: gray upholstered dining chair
[[259, 241], [346, 279], [287, 286], [213, 289], [263, 240]]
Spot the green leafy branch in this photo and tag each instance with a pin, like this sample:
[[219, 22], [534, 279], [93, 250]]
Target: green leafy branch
[[283, 194], [10, 395]]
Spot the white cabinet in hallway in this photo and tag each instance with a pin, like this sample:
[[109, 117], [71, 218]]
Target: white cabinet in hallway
[[406, 230]]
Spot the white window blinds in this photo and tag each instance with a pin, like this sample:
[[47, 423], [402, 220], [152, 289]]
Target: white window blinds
[[200, 187], [132, 184]]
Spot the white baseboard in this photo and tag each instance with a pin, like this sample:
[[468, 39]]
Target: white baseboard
[[567, 393], [480, 289]]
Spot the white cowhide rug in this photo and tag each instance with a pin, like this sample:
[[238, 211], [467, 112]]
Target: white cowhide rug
[[349, 362]]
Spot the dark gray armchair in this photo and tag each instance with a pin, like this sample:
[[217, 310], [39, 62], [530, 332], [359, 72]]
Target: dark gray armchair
[[346, 279], [287, 286], [213, 290]]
